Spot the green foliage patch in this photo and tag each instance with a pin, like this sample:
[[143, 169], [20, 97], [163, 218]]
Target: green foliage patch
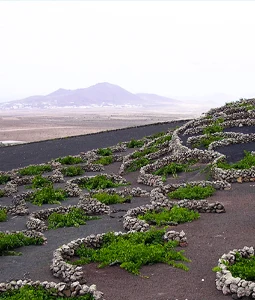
[[175, 215], [72, 171], [4, 179], [14, 240], [104, 160], [137, 164], [47, 195], [98, 182], [173, 168], [132, 251], [207, 140], [69, 160], [40, 182], [104, 151], [111, 198], [243, 267], [247, 106], [192, 192], [162, 140], [3, 215], [2, 193], [74, 218], [214, 127], [135, 143], [28, 292], [146, 151], [246, 162], [35, 170]]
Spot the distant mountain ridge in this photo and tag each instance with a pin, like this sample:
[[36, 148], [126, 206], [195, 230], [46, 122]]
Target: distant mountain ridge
[[99, 95]]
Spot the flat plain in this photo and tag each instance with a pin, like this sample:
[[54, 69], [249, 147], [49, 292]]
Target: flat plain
[[38, 125]]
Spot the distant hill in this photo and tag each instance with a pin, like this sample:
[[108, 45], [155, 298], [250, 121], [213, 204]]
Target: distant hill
[[99, 95]]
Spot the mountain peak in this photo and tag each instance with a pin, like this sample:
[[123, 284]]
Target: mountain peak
[[59, 92], [99, 95]]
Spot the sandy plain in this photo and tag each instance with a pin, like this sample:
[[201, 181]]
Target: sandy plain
[[38, 125]]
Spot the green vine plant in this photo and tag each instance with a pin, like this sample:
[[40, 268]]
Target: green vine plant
[[28, 292], [98, 182], [4, 179], [242, 267], [35, 170], [174, 216], [246, 162], [9, 242], [69, 160], [192, 192], [3, 215], [144, 248], [72, 171], [111, 198], [174, 168], [74, 218], [47, 195]]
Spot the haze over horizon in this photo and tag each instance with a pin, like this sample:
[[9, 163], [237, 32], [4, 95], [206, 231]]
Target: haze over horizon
[[182, 50]]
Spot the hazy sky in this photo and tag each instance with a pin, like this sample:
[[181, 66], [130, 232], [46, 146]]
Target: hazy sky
[[171, 48]]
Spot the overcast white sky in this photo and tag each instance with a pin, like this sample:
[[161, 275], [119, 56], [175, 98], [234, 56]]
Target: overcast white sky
[[171, 48]]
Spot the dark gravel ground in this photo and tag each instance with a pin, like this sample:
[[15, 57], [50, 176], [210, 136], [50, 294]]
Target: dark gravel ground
[[23, 155], [208, 238]]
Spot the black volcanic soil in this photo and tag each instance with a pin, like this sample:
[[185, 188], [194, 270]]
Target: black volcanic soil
[[208, 238]]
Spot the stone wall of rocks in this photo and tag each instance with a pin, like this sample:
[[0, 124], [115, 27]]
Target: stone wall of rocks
[[115, 178], [71, 273], [185, 154], [230, 285], [29, 233], [62, 289], [65, 271], [132, 223], [233, 175], [238, 139], [90, 206], [163, 149], [134, 192]]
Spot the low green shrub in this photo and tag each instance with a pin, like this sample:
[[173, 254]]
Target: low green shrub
[[132, 251], [69, 160], [111, 198], [135, 143], [214, 127], [156, 135], [35, 170], [98, 182], [192, 192], [74, 218], [72, 171], [2, 193], [162, 140], [243, 267], [28, 292], [247, 106], [3, 215], [104, 151], [137, 164], [14, 240], [47, 195], [175, 215], [174, 168], [4, 179], [104, 160], [146, 151], [206, 141], [40, 182], [245, 163]]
